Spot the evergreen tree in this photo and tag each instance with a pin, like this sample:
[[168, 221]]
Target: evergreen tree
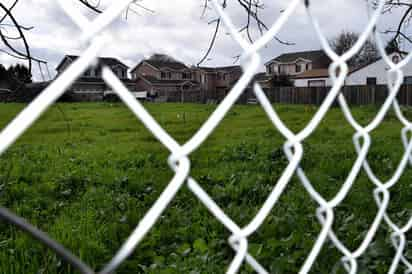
[[15, 76], [4, 76], [282, 80], [19, 74]]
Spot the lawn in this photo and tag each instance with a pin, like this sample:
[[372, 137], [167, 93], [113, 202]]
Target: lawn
[[87, 173]]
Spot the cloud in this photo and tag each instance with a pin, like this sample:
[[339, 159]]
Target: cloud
[[177, 28]]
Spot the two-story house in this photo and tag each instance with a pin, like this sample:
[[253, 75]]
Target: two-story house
[[90, 85], [164, 78], [217, 81], [118, 67], [295, 63]]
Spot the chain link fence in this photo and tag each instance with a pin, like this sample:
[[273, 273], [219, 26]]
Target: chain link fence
[[94, 36]]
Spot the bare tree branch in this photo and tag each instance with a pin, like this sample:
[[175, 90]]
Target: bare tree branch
[[405, 8], [8, 22], [252, 9]]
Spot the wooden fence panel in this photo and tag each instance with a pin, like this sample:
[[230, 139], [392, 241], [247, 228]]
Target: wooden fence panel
[[354, 95]]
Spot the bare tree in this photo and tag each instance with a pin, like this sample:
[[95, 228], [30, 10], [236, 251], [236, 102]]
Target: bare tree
[[9, 23], [346, 39], [399, 32], [252, 9]]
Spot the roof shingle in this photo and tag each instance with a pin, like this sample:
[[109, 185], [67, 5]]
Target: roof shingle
[[107, 61], [225, 68], [313, 73], [313, 55], [167, 64]]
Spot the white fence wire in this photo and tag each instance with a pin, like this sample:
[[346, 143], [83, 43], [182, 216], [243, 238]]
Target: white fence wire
[[93, 35]]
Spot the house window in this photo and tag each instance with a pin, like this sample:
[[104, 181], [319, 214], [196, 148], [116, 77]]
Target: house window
[[163, 75], [186, 75], [307, 67], [87, 73], [169, 75], [407, 80], [371, 81], [298, 68], [283, 69], [270, 69], [316, 83], [123, 74]]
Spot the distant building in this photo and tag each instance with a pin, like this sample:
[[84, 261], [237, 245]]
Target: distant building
[[370, 74], [217, 81], [90, 85], [114, 64], [295, 63], [164, 78], [375, 72]]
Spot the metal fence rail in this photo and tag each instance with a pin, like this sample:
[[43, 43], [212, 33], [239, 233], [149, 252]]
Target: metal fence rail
[[93, 35]]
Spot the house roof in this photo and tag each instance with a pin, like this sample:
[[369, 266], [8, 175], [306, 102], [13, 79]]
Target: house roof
[[401, 53], [107, 61], [215, 69], [313, 55], [159, 64], [153, 80], [313, 73], [169, 64], [99, 80], [324, 73]]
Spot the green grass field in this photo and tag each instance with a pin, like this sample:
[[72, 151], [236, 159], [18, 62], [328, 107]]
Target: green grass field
[[87, 173]]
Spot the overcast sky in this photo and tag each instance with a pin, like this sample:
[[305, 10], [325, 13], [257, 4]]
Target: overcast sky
[[177, 28]]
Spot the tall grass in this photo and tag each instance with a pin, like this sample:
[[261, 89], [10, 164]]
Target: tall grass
[[88, 179]]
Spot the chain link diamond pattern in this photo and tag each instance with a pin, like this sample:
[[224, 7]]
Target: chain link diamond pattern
[[94, 36]]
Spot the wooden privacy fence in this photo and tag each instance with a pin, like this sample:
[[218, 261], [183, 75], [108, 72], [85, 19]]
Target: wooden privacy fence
[[355, 95]]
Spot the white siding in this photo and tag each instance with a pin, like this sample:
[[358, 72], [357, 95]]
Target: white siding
[[376, 70]]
